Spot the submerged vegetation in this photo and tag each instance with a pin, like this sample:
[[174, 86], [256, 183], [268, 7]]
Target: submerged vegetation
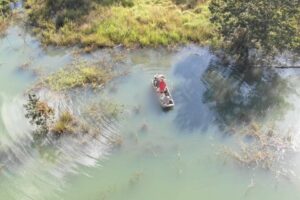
[[108, 108], [262, 147], [127, 22]]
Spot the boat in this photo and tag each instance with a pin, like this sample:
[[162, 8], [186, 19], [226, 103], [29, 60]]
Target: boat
[[165, 99]]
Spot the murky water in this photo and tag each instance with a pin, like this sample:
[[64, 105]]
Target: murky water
[[164, 155]]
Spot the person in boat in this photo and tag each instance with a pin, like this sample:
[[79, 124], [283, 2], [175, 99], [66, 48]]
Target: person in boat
[[162, 86], [156, 82]]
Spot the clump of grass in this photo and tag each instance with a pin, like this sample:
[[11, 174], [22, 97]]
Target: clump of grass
[[64, 124], [143, 23], [78, 76]]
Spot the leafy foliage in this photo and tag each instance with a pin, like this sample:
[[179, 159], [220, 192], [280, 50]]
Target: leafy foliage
[[265, 25], [5, 7], [39, 113]]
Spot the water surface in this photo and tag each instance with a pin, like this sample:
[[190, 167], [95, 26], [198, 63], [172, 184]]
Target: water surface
[[164, 155]]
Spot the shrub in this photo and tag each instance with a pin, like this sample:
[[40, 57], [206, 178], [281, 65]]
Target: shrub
[[39, 114]]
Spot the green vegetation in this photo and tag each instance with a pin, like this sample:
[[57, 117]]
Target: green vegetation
[[5, 13], [128, 22], [268, 26], [40, 115], [5, 7], [78, 76]]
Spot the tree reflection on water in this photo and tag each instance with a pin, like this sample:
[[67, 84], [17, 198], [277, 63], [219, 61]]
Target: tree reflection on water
[[238, 96], [213, 92]]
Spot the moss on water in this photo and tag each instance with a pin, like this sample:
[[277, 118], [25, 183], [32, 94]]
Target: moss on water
[[142, 23]]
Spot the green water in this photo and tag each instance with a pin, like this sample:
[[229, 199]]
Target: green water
[[164, 155]]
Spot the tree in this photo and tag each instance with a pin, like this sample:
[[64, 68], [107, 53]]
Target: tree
[[40, 115], [5, 6], [266, 26]]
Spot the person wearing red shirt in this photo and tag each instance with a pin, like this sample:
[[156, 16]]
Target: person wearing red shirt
[[162, 86]]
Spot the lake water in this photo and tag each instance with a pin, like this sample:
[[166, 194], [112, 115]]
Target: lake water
[[164, 155]]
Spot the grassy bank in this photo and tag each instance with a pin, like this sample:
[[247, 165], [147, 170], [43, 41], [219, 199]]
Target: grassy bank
[[131, 23]]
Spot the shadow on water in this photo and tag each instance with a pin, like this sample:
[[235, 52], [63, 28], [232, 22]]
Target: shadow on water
[[212, 92], [240, 97], [192, 113]]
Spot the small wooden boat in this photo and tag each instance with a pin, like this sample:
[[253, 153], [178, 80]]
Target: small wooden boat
[[165, 99]]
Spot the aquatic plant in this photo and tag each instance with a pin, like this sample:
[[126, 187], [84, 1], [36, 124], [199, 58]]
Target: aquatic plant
[[262, 147], [105, 112], [144, 128], [42, 116], [65, 124], [116, 141], [135, 178], [76, 76], [105, 108]]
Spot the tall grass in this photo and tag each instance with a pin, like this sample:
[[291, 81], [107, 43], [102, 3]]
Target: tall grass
[[143, 23]]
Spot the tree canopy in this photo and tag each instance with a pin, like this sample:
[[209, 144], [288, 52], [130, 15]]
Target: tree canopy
[[5, 6], [267, 26]]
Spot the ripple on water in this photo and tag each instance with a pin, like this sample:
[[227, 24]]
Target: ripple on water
[[45, 166]]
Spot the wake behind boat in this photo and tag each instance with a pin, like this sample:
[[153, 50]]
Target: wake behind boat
[[162, 91]]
